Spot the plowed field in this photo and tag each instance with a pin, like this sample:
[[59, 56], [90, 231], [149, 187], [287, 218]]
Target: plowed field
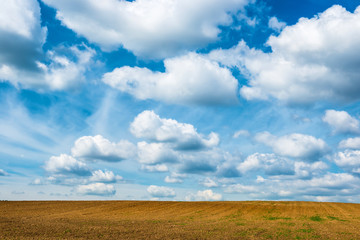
[[178, 220]]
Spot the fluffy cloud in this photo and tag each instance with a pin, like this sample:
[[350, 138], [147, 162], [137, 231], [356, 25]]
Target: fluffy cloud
[[206, 195], [309, 170], [3, 173], [179, 145], [106, 177], [21, 34], [158, 191], [330, 184], [209, 183], [339, 181], [155, 153], [337, 185], [150, 126], [63, 72], [270, 163], [352, 143], [99, 189], [175, 178], [188, 79], [341, 122], [152, 28], [294, 145], [22, 60], [100, 148], [315, 59], [349, 160], [65, 165], [276, 25]]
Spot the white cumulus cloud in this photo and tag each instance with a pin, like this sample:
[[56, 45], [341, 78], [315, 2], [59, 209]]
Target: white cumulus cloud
[[188, 79], [99, 189], [99, 148], [349, 160], [65, 164], [295, 145], [150, 126], [341, 122], [209, 183], [148, 28], [104, 176], [270, 163], [22, 60], [314, 60], [351, 143], [175, 178], [159, 191], [206, 195], [155, 153]]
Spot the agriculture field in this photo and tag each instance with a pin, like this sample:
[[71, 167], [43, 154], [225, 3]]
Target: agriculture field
[[178, 220]]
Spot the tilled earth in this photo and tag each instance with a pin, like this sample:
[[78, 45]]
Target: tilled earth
[[178, 220]]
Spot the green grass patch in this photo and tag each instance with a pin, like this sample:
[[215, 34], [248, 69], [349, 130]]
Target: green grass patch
[[316, 218], [306, 230], [336, 218], [276, 218], [290, 224]]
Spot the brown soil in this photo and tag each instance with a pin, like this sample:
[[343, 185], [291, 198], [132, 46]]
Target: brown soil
[[178, 220]]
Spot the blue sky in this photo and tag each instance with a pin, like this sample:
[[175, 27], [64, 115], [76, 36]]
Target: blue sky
[[180, 100]]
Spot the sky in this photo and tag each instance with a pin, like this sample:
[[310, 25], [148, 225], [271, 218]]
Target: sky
[[185, 100]]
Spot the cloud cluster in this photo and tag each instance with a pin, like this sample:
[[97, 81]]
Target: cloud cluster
[[188, 79], [159, 191], [314, 60], [150, 126], [150, 29], [295, 145], [209, 183], [175, 178], [349, 160], [99, 148], [22, 60], [21, 34], [98, 189], [74, 170], [350, 143], [155, 153], [341, 122], [337, 186], [276, 166], [65, 164], [105, 177], [206, 195], [270, 163], [176, 145]]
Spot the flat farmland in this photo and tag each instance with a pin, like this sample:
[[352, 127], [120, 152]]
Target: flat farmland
[[178, 220]]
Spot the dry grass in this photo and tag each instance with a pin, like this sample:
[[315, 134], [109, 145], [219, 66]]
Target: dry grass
[[178, 220]]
